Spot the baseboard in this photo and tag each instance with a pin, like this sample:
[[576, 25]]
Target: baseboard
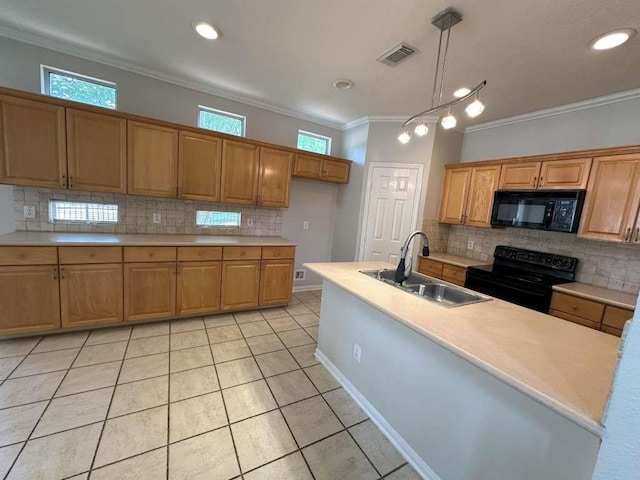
[[394, 437], [307, 288]]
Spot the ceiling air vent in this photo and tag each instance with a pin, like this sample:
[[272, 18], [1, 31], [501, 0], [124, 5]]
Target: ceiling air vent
[[397, 54]]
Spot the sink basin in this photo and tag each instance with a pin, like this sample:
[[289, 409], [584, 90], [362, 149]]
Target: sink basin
[[429, 288]]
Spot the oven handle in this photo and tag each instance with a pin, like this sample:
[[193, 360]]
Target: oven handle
[[548, 214], [471, 278]]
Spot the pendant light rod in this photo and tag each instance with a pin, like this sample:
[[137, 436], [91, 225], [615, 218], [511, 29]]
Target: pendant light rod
[[478, 87], [444, 60], [437, 70]]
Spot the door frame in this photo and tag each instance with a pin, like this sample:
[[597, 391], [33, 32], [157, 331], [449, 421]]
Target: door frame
[[416, 201]]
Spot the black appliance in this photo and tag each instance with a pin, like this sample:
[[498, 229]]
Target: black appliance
[[554, 210], [524, 277]]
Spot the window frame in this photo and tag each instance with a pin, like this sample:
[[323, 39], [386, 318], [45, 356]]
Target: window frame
[[45, 84], [316, 136], [51, 208], [235, 116], [238, 226]]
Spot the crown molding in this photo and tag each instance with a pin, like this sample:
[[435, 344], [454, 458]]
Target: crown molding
[[561, 110], [112, 61], [384, 119]]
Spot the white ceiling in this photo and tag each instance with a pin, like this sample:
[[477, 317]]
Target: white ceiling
[[534, 54]]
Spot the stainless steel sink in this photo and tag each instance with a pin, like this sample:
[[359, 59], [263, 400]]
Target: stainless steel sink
[[429, 288]]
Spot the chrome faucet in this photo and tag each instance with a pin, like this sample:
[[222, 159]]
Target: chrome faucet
[[404, 267]]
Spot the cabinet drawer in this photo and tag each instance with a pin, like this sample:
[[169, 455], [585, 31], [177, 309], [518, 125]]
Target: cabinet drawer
[[452, 271], [76, 255], [575, 319], [616, 317], [28, 256], [577, 306], [611, 330], [430, 267], [149, 254], [242, 253], [455, 281], [195, 254], [278, 252]]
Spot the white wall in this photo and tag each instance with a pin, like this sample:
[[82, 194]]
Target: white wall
[[7, 224], [446, 149], [608, 125]]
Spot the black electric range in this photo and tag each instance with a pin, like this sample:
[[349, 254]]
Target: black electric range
[[524, 277]]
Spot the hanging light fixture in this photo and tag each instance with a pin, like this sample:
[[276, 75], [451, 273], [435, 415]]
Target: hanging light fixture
[[444, 21]]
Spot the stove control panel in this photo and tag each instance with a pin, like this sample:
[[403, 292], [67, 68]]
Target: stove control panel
[[542, 259]]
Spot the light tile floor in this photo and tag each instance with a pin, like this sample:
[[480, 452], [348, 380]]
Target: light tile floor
[[221, 397]]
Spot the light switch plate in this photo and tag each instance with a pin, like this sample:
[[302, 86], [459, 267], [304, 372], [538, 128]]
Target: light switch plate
[[305, 225], [249, 222], [157, 218], [470, 245], [29, 211]]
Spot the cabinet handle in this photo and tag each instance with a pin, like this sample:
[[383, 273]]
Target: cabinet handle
[[535, 181], [55, 273], [637, 234], [70, 182], [541, 182], [61, 273], [63, 181], [627, 234]]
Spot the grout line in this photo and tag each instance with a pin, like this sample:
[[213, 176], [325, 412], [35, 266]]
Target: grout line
[[169, 397]]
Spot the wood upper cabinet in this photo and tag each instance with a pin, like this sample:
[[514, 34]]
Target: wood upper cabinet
[[149, 290], [29, 298], [336, 171], [199, 165], [152, 159], [198, 287], [455, 193], [565, 174], [32, 143], [96, 152], [275, 281], [483, 184], [91, 294], [317, 168], [240, 284], [240, 162], [520, 176], [274, 178], [613, 199]]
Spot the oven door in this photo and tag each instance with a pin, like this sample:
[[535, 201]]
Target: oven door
[[531, 298], [518, 210]]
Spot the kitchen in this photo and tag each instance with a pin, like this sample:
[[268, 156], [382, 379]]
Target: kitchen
[[599, 114]]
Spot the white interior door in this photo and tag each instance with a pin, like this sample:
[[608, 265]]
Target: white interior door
[[391, 211]]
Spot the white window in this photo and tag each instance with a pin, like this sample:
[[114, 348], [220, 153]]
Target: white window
[[220, 121], [62, 211], [206, 218], [312, 142], [79, 88]]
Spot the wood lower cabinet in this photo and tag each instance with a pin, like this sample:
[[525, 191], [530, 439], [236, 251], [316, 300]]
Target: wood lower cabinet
[[29, 298], [32, 143], [240, 162], [96, 152], [589, 313], [91, 294], [198, 288], [275, 282], [240, 284], [274, 178], [149, 290], [199, 165], [443, 271]]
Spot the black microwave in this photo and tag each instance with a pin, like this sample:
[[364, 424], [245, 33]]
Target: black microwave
[[553, 210]]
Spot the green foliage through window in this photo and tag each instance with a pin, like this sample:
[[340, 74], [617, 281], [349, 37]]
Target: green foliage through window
[[314, 143], [221, 122], [84, 91], [206, 218]]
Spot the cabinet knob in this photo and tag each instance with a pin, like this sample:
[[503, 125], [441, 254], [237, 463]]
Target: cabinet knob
[[637, 234], [627, 234], [541, 181]]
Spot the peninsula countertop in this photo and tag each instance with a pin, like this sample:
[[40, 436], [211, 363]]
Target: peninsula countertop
[[142, 239], [567, 367]]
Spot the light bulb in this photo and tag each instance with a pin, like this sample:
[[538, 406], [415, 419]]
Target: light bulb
[[612, 39], [404, 137], [461, 92], [206, 30], [475, 108], [449, 121], [421, 129]]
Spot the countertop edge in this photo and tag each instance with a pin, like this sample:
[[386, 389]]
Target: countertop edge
[[593, 297], [456, 260]]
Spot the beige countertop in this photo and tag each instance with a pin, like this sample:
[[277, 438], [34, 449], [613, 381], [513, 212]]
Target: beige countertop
[[598, 294], [567, 367], [463, 262], [122, 239]]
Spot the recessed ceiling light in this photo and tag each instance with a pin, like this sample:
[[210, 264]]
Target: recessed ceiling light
[[612, 39], [206, 30], [461, 92], [343, 84]]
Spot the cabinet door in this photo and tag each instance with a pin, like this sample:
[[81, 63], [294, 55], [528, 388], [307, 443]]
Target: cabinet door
[[455, 193], [240, 284], [335, 171], [613, 197], [33, 149], [152, 160], [572, 174], [484, 182], [96, 152], [91, 294], [29, 299], [308, 166], [520, 176], [149, 290], [199, 164], [275, 177], [239, 172], [198, 287], [276, 282]]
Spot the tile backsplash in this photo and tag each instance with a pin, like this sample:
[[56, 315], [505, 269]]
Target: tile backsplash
[[135, 214], [604, 264], [437, 233]]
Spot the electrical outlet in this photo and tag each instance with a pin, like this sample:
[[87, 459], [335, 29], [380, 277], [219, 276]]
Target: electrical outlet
[[157, 218], [300, 274], [305, 225], [357, 352], [29, 211], [470, 245], [249, 222]]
